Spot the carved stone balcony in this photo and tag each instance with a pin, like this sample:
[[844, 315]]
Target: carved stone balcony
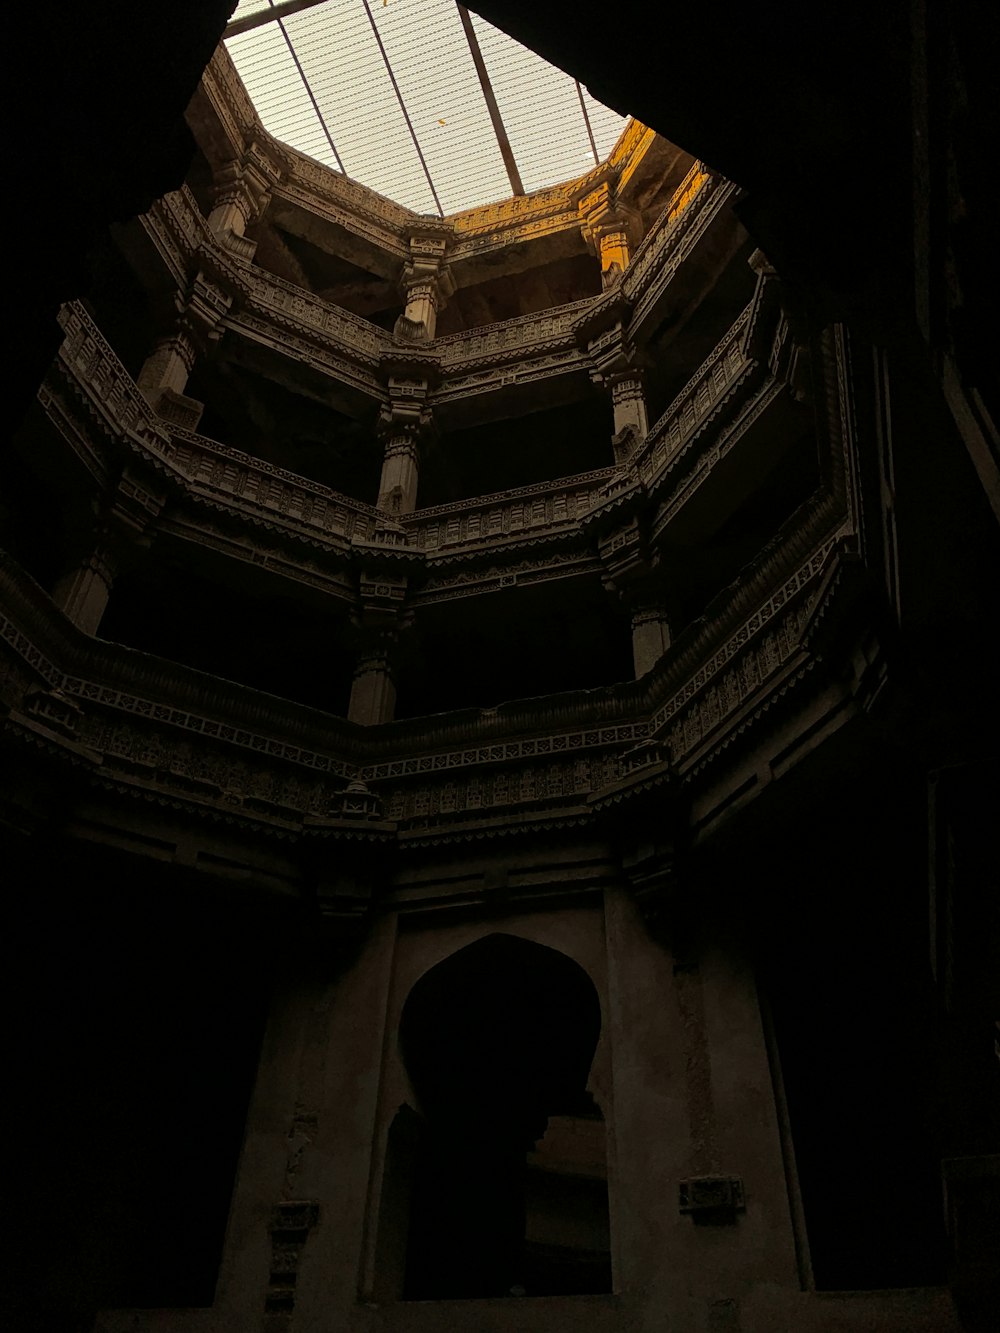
[[303, 328], [499, 529]]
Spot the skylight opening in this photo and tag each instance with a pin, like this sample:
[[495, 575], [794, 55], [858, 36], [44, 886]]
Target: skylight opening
[[388, 92]]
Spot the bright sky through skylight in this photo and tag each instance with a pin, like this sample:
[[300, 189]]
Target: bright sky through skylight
[[428, 53]]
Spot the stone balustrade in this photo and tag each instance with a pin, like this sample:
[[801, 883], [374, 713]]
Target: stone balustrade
[[269, 310], [230, 478], [214, 470], [696, 404], [217, 748], [521, 337], [544, 510], [263, 760], [670, 242]]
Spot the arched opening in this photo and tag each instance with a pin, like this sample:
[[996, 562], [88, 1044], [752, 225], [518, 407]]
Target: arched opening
[[508, 1186]]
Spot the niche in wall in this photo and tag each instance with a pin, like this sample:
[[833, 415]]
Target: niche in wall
[[496, 1183]]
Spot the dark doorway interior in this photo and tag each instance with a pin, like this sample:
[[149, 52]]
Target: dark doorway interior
[[506, 1163]]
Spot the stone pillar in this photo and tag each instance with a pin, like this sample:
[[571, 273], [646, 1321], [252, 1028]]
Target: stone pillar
[[612, 248], [242, 192], [618, 370], [195, 327], [629, 402], [397, 492], [405, 426], [650, 637], [82, 593], [426, 285], [373, 691], [632, 575], [168, 365]]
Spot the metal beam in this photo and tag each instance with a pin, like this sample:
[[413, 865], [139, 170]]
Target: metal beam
[[586, 121], [277, 11], [402, 105], [305, 83], [506, 152]]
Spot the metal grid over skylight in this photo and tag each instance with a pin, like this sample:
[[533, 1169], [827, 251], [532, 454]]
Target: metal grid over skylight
[[420, 100]]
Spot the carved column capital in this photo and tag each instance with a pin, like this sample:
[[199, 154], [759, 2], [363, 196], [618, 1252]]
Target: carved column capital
[[606, 223]]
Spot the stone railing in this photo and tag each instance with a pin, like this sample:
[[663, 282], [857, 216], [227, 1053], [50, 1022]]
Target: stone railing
[[205, 468], [511, 337], [252, 485], [101, 379], [233, 479], [695, 405], [546, 509], [348, 332], [270, 310], [218, 748], [672, 239]]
